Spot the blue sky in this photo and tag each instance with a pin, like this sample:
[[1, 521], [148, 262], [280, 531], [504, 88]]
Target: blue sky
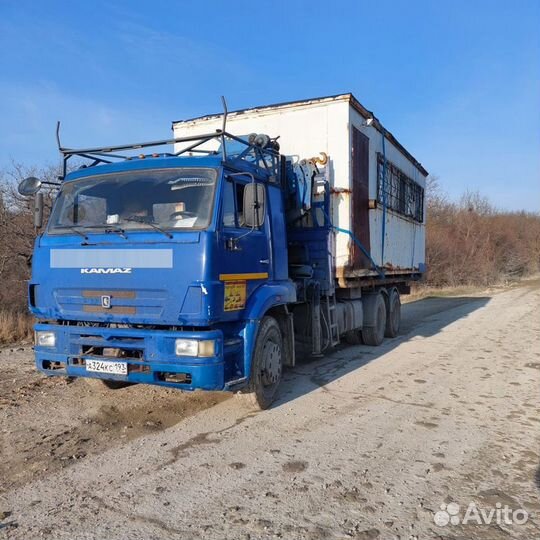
[[458, 82]]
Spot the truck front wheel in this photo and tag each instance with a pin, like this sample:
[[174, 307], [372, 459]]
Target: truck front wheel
[[266, 366]]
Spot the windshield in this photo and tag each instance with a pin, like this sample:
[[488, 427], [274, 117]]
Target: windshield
[[159, 199]]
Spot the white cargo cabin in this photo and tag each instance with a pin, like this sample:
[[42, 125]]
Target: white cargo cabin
[[352, 138]]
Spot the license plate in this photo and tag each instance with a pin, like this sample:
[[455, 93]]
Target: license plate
[[102, 366]]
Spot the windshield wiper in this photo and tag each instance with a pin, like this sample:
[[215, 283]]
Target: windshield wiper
[[108, 229], [75, 229], [118, 230], [141, 219]]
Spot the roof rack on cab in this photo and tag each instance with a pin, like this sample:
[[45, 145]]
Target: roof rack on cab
[[249, 150], [259, 150]]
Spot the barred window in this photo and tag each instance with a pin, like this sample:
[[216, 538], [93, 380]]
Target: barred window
[[403, 194]]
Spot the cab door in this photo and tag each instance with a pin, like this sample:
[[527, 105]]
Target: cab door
[[243, 256]]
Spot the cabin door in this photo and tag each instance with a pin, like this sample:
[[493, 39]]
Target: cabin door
[[360, 197]]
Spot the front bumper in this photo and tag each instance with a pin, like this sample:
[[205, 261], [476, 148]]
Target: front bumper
[[149, 354]]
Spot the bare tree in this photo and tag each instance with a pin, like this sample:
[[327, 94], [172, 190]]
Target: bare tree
[[17, 232]]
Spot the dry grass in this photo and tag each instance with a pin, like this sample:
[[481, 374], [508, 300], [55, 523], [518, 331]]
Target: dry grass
[[15, 326]]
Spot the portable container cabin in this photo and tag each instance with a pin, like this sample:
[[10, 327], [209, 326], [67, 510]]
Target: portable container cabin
[[387, 217]]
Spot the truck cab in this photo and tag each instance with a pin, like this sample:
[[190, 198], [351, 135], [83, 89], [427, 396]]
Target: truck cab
[[160, 268]]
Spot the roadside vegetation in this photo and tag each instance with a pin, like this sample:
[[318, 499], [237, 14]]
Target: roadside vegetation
[[17, 236], [472, 243], [469, 243]]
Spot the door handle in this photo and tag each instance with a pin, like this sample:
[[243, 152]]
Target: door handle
[[265, 261], [232, 244]]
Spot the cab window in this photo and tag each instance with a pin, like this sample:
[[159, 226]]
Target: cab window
[[228, 215], [233, 204], [239, 192]]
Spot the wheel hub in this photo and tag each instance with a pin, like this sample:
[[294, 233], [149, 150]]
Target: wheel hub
[[271, 363]]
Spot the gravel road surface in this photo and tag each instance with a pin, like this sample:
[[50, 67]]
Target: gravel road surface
[[432, 435]]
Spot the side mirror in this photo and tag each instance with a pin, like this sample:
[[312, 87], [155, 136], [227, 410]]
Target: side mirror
[[38, 211], [254, 205], [29, 186]]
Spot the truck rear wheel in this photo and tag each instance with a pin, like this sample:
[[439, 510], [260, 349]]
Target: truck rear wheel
[[374, 333], [266, 366], [393, 315]]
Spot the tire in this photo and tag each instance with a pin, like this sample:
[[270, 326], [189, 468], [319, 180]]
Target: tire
[[111, 385], [374, 335], [266, 366], [393, 315]]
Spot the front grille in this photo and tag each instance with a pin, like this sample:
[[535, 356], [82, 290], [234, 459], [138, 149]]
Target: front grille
[[142, 302]]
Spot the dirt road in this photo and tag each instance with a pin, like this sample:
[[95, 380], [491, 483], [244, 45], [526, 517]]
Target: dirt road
[[365, 443]]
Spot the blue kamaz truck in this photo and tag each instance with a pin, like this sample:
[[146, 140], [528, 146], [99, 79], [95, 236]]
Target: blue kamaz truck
[[217, 262]]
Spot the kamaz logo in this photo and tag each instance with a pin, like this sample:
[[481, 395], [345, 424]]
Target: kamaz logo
[[105, 270]]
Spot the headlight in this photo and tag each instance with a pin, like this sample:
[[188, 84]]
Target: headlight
[[45, 339], [194, 347]]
